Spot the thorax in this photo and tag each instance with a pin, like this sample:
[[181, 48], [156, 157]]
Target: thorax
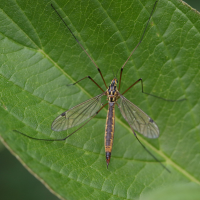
[[112, 92]]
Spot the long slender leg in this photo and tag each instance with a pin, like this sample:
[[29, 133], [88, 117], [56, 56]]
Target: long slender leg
[[150, 152], [137, 44], [80, 45], [51, 140], [149, 93], [85, 78], [133, 85], [120, 78]]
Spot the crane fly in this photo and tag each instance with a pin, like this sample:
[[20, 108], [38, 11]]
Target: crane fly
[[137, 119]]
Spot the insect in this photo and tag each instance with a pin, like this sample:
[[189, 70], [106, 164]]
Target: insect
[[84, 112]]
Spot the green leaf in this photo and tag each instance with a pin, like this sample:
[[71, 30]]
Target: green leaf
[[39, 57], [174, 192]]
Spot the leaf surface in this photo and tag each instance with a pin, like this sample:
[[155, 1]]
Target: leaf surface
[[39, 57]]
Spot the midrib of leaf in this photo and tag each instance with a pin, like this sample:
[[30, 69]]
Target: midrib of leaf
[[176, 166]]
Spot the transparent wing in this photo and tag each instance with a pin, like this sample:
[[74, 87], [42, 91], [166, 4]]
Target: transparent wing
[[137, 119], [77, 114]]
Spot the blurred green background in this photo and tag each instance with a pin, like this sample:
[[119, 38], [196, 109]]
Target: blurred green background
[[17, 183], [194, 3]]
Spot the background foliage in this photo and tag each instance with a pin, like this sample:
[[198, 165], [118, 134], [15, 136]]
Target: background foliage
[[39, 57]]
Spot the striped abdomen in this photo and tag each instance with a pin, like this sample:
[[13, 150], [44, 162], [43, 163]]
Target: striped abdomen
[[109, 131]]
